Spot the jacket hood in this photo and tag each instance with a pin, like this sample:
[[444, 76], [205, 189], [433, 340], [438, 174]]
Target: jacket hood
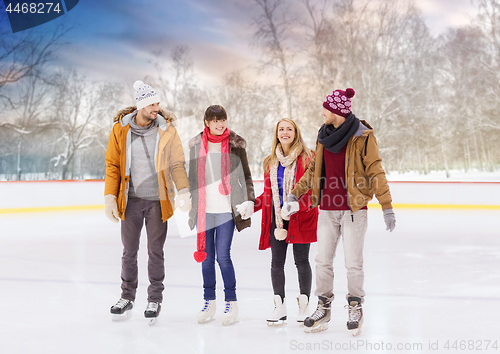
[[234, 140], [363, 126], [124, 116]]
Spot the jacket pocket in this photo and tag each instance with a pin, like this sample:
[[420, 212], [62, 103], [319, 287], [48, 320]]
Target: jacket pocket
[[308, 220], [362, 184]]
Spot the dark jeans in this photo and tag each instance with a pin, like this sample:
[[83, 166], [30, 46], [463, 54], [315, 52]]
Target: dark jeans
[[140, 210], [219, 236], [278, 257]]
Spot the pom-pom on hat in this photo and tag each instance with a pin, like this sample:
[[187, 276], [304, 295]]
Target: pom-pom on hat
[[339, 102], [144, 95]]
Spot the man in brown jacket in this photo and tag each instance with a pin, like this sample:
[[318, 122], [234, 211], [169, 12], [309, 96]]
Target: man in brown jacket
[[144, 159], [346, 173]]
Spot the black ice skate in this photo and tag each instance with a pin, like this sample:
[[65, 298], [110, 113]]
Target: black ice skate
[[122, 310], [152, 312], [355, 315], [318, 321]]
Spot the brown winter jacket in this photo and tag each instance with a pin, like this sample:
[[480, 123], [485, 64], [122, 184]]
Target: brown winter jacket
[[240, 179], [364, 173], [169, 161]]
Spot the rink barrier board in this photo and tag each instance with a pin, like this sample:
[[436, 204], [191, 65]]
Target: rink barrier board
[[370, 205], [262, 181], [50, 209]]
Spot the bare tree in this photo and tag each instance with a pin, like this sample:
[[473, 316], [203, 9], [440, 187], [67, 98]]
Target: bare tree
[[24, 59], [488, 22], [23, 53], [467, 82], [175, 80], [273, 27], [81, 113], [249, 105]]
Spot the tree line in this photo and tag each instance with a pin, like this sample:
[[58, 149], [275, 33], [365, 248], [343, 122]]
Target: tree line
[[431, 99]]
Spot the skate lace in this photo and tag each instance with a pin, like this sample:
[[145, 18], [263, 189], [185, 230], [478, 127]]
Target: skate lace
[[228, 307], [122, 303], [319, 313], [152, 306], [207, 305], [354, 312]]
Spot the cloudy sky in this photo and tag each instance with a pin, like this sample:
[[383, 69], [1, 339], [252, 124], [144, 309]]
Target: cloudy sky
[[114, 38]]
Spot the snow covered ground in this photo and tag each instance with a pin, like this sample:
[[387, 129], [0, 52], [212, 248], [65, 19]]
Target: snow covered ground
[[440, 176], [432, 283]]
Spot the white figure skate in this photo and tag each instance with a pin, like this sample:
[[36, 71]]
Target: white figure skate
[[303, 302], [278, 316], [208, 311], [230, 313]]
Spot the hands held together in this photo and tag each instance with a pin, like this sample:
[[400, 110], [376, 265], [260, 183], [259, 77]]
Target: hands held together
[[290, 207], [183, 200], [246, 209]]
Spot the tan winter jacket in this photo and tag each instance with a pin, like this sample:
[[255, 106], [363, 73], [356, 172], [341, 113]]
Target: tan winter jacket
[[364, 173], [169, 161]]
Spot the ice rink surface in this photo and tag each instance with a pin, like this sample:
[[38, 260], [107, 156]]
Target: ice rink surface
[[434, 280]]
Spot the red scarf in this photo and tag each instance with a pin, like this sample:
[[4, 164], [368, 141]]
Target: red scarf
[[224, 187]]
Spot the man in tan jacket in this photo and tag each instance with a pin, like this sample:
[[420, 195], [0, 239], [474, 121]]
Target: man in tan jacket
[[144, 159], [345, 174]]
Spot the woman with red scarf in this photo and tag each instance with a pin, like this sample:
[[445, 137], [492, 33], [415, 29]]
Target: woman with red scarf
[[220, 180], [282, 169]]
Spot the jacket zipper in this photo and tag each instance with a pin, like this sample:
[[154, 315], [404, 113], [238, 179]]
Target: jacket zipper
[[347, 177]]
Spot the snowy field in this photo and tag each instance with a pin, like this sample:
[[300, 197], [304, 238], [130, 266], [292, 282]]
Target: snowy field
[[440, 176], [431, 284]]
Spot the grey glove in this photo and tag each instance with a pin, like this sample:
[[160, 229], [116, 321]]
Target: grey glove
[[291, 206], [390, 219]]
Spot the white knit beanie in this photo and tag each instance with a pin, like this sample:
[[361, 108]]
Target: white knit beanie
[[144, 95]]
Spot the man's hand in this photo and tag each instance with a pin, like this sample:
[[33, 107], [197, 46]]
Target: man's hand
[[390, 219], [291, 206], [183, 200], [111, 208]]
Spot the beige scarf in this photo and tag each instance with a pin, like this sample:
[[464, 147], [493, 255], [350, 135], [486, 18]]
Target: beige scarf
[[289, 163]]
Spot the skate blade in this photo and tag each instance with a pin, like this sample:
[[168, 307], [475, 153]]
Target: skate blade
[[280, 322], [205, 320], [319, 328], [355, 332], [122, 317], [152, 321], [229, 322]]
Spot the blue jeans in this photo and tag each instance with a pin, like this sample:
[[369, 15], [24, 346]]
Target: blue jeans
[[219, 236]]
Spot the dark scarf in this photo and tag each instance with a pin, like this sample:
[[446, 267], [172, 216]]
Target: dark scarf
[[334, 139]]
